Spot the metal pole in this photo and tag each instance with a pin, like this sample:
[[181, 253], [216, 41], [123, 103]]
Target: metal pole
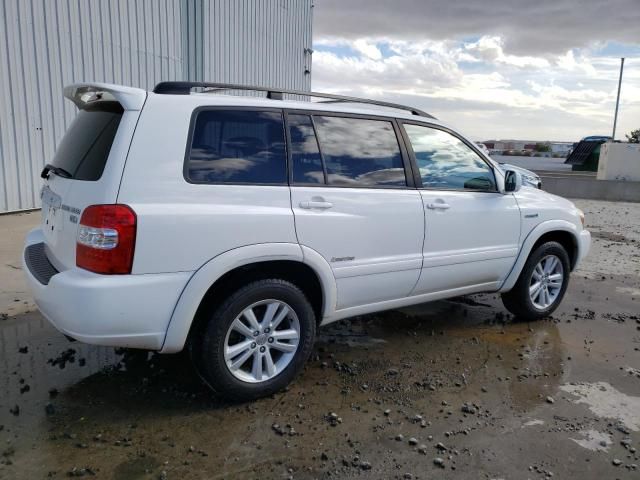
[[615, 117]]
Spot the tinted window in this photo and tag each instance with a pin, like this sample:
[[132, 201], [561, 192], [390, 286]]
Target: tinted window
[[237, 146], [360, 152], [305, 155], [84, 149], [447, 162]]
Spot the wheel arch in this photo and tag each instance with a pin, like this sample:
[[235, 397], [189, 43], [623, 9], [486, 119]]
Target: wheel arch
[[560, 231], [564, 238], [222, 274]]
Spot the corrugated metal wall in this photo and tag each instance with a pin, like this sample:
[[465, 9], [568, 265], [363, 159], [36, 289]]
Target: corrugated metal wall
[[46, 44], [266, 40]]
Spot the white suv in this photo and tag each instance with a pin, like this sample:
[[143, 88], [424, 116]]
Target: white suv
[[234, 226]]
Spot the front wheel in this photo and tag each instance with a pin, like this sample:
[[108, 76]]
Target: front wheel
[[256, 341], [542, 283]]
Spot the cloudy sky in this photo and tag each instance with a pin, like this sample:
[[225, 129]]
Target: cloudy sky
[[525, 69]]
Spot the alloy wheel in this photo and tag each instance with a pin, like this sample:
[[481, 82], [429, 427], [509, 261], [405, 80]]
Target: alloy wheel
[[261, 341], [546, 282]]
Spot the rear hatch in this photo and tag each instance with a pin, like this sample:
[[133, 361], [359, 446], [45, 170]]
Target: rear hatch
[[88, 164]]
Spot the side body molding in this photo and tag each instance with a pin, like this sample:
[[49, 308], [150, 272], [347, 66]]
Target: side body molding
[[202, 279], [530, 240]]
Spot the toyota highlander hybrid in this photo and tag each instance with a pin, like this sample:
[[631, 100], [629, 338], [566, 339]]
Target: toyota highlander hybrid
[[235, 226]]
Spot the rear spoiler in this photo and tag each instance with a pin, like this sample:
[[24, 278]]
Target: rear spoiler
[[84, 93]]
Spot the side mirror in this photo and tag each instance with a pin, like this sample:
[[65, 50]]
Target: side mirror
[[512, 181]]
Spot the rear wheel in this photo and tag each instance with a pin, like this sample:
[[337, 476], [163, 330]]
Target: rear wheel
[[256, 341], [542, 283]]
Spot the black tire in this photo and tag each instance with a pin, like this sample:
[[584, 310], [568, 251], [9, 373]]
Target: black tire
[[519, 302], [207, 349]]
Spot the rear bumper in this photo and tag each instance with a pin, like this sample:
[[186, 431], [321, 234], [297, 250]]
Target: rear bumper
[[113, 310]]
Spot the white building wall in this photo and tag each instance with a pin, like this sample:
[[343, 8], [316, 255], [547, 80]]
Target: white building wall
[[46, 44], [619, 161], [562, 148]]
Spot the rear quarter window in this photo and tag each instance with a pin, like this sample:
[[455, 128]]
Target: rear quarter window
[[306, 162], [237, 146], [85, 147]]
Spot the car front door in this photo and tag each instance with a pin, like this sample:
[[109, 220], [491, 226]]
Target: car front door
[[472, 231], [355, 205]]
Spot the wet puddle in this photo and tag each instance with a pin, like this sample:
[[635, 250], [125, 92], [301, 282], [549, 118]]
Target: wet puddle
[[457, 373], [37, 363]]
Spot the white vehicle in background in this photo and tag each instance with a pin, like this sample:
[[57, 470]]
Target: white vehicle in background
[[235, 226], [529, 178]]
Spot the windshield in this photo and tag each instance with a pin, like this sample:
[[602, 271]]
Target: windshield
[[85, 147]]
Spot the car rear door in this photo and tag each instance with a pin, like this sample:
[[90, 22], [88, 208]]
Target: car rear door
[[87, 166], [472, 231], [354, 203]]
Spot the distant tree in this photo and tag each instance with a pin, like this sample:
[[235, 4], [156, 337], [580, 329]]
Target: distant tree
[[543, 147], [634, 136]]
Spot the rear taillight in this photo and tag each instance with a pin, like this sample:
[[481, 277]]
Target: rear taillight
[[106, 239]]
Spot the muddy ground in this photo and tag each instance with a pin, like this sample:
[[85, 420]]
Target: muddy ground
[[452, 389]]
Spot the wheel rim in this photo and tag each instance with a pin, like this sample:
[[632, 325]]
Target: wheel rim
[[546, 282], [261, 341]]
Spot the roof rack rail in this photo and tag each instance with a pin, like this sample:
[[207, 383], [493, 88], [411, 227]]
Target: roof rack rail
[[184, 88]]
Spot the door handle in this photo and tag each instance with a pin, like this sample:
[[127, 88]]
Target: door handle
[[316, 204], [438, 206]]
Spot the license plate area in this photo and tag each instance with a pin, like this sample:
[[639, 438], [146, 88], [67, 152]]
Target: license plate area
[[51, 211]]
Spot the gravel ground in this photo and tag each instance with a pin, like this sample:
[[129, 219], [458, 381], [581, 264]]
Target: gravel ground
[[452, 389]]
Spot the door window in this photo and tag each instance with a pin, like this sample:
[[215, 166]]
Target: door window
[[360, 152], [446, 162], [237, 146]]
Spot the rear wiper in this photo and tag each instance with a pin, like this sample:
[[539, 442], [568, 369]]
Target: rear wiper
[[59, 171]]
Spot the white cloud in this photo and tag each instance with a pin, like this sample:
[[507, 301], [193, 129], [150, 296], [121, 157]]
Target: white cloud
[[395, 73], [477, 86], [581, 65], [490, 49], [367, 49]]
